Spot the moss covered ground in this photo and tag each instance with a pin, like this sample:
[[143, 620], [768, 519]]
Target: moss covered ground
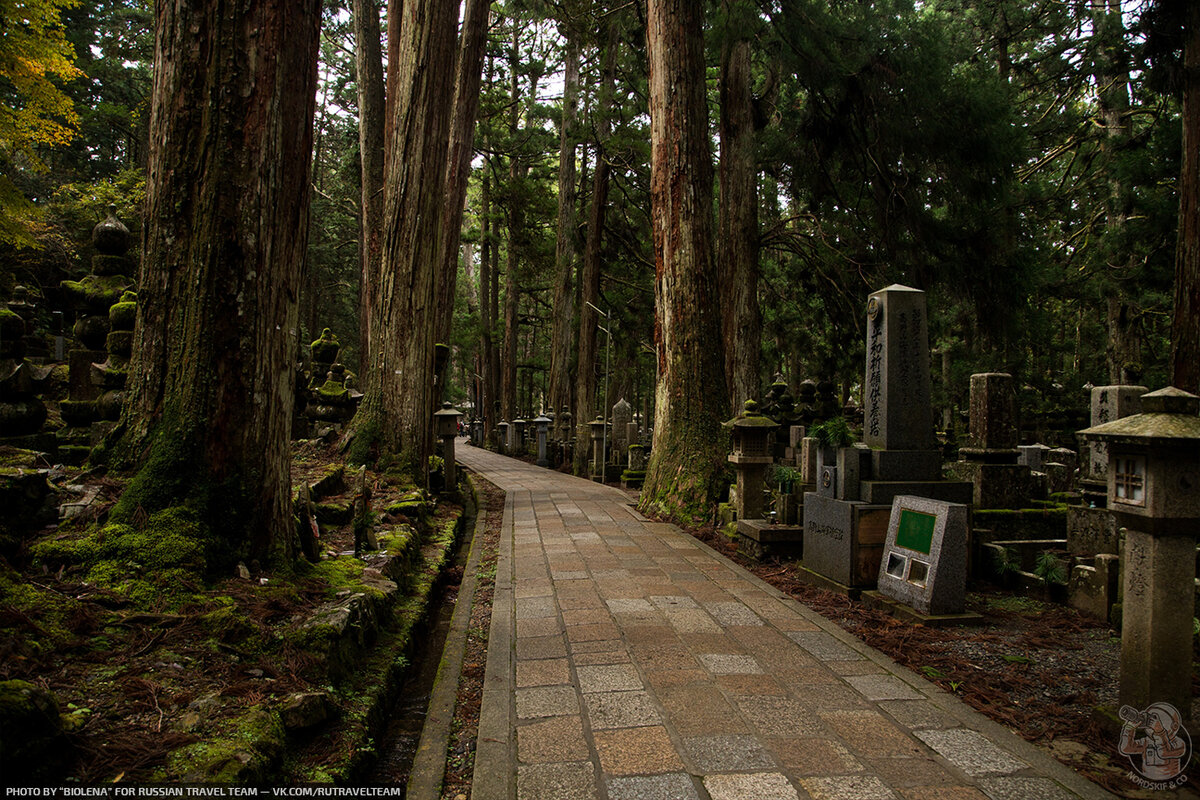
[[165, 671]]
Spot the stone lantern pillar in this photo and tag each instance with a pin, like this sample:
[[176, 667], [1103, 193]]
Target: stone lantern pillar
[[1154, 493], [598, 429], [445, 425], [750, 458], [502, 438], [518, 434], [543, 432], [477, 432]]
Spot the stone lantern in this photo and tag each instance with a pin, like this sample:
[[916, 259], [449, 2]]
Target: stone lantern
[[1154, 493], [518, 434], [502, 437], [543, 431], [445, 425], [477, 432], [598, 428], [750, 458]]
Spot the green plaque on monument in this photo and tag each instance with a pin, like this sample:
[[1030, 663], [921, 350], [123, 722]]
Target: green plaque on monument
[[915, 531]]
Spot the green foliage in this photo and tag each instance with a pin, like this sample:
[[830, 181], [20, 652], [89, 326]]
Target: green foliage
[[835, 432], [1004, 561], [1049, 568]]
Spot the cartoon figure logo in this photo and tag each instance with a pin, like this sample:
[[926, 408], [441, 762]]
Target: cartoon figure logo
[[1156, 735]]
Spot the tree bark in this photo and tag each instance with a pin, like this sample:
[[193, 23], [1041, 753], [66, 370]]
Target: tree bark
[[211, 388], [396, 406], [1185, 324], [567, 249], [368, 58], [737, 247], [458, 164], [487, 312], [512, 289], [589, 273], [688, 453]]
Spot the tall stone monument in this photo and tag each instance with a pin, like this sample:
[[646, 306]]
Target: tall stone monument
[[989, 456], [846, 519]]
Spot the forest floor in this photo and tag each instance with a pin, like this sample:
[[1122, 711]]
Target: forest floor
[[1039, 668], [150, 673]]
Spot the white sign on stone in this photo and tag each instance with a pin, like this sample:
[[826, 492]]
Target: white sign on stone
[[924, 561]]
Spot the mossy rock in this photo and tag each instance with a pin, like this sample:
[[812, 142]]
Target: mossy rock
[[33, 748], [77, 412], [325, 349], [333, 393], [123, 315], [335, 513], [92, 331], [96, 293], [108, 264], [249, 752], [11, 325]]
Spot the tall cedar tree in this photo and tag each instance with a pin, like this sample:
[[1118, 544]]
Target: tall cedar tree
[[396, 410], [738, 243], [458, 161], [685, 469], [1185, 328], [368, 62], [567, 250], [211, 384]]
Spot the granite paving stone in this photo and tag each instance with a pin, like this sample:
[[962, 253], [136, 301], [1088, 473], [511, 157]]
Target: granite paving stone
[[869, 732], [1021, 788], [780, 716], [750, 786], [971, 752], [848, 787], [546, 701], [608, 678], [542, 672], [883, 687], [729, 664], [727, 753], [621, 710], [555, 739], [815, 756], [669, 786], [540, 781], [636, 751]]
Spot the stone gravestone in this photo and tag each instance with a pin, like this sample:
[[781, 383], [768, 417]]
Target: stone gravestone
[[622, 415], [989, 457], [925, 557], [898, 414]]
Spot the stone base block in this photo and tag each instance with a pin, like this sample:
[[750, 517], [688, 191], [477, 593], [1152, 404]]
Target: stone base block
[[901, 611], [758, 538], [843, 540], [884, 492], [1093, 588], [906, 465], [995, 485]]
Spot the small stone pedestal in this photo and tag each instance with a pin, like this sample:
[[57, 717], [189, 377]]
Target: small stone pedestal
[[1154, 492], [598, 428], [759, 539], [543, 433]]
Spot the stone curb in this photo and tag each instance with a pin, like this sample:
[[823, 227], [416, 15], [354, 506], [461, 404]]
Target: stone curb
[[429, 762], [495, 776]]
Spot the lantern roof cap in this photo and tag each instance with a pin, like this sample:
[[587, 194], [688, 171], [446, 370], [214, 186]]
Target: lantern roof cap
[[447, 410], [751, 418]]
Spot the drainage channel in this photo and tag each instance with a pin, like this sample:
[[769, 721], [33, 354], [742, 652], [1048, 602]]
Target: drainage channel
[[399, 744]]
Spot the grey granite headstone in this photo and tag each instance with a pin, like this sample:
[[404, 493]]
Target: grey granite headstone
[[993, 422], [1033, 456], [808, 460], [843, 540], [898, 414], [1109, 403], [925, 558], [622, 414]]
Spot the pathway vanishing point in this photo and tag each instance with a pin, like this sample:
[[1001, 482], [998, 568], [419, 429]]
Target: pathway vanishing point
[[629, 661]]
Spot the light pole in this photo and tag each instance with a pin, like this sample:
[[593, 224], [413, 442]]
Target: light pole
[[607, 358]]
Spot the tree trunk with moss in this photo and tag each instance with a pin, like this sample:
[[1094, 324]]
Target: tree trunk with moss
[[688, 456], [211, 387], [396, 407]]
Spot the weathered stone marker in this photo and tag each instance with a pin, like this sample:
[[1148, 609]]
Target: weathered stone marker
[[989, 457], [1154, 492], [898, 414], [445, 425], [543, 432], [925, 557]]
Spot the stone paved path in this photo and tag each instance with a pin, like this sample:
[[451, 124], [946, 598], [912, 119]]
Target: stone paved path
[[629, 661]]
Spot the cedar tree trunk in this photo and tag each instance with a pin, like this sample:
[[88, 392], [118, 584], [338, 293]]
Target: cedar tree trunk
[[211, 387], [688, 454], [368, 57], [396, 406], [567, 250], [1185, 326], [737, 246]]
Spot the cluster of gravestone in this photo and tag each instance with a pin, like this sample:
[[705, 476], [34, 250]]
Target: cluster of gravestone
[[890, 520], [326, 397], [618, 451], [62, 411]]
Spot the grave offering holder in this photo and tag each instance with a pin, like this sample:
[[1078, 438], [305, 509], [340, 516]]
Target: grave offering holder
[[925, 555]]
